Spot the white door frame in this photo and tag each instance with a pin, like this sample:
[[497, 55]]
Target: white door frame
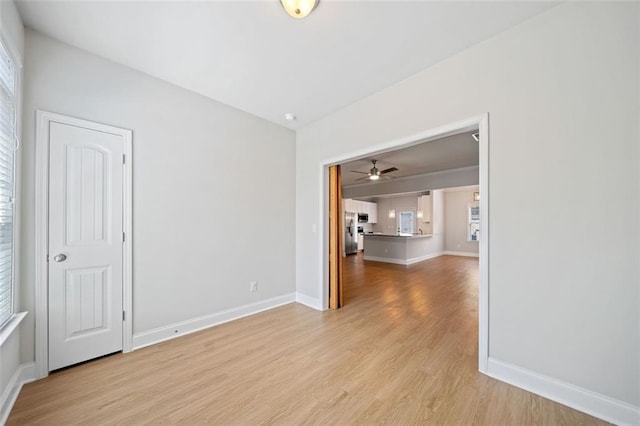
[[43, 120], [481, 122]]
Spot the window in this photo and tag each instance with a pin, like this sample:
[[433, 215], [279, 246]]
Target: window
[[8, 145], [473, 223], [405, 222]]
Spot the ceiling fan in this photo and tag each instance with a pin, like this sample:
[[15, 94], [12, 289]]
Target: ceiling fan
[[374, 173]]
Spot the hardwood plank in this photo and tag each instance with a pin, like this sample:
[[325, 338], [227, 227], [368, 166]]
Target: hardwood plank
[[403, 350]]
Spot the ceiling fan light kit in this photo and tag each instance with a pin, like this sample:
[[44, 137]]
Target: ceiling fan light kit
[[299, 8], [374, 173]]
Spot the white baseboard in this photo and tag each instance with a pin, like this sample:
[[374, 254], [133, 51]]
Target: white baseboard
[[385, 259], [405, 262], [24, 374], [171, 331], [421, 258], [309, 301], [461, 253], [592, 403]]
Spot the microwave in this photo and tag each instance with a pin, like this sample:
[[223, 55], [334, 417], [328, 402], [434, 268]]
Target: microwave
[[363, 218]]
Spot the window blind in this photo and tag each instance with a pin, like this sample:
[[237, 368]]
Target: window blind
[[8, 142]]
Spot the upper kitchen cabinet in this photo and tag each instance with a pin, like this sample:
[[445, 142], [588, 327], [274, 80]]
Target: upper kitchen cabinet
[[425, 206], [373, 213], [371, 209], [348, 205], [356, 206]]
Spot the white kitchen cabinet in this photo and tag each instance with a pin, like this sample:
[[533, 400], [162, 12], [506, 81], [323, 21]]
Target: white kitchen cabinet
[[373, 213], [426, 206], [364, 207], [348, 205], [360, 242], [356, 206]]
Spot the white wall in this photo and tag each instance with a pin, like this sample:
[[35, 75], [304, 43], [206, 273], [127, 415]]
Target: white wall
[[456, 221], [562, 93], [13, 34], [213, 186], [388, 225], [436, 226]]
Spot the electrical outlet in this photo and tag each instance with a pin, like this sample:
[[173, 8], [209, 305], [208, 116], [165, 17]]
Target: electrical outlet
[[253, 286]]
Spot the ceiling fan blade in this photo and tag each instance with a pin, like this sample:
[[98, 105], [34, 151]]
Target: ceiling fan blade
[[362, 178], [357, 171], [389, 170]]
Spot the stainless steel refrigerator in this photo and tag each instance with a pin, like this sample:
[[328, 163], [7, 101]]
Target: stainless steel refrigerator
[[350, 233]]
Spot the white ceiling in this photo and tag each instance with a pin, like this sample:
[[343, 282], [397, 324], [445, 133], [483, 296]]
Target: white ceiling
[[452, 152], [253, 56]]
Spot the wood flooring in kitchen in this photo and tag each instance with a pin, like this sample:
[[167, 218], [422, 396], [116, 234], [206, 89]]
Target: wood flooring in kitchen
[[403, 350]]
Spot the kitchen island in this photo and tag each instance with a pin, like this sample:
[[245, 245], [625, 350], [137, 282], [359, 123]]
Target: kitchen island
[[402, 249]]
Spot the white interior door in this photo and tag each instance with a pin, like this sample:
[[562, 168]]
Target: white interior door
[[85, 292]]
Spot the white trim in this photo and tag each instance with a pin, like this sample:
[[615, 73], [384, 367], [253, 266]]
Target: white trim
[[483, 248], [171, 331], [595, 404], [461, 253], [43, 118], [127, 253], [41, 237], [17, 197], [309, 301], [10, 44], [24, 374], [324, 236], [10, 326], [481, 122], [405, 262]]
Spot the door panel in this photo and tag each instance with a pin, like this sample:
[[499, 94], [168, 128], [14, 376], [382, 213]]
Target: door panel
[[335, 238], [85, 227], [86, 297], [88, 177]]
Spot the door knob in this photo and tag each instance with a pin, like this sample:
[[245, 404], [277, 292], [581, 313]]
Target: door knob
[[60, 257]]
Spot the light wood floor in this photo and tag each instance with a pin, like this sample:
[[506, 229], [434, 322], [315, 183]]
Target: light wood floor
[[402, 351]]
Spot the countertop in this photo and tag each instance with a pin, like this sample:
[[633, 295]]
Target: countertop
[[408, 236]]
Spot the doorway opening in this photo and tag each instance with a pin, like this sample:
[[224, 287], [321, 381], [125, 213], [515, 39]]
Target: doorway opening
[[413, 222]]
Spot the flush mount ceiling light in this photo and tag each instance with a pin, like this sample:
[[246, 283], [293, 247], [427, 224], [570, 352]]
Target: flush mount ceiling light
[[290, 117], [299, 8]]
